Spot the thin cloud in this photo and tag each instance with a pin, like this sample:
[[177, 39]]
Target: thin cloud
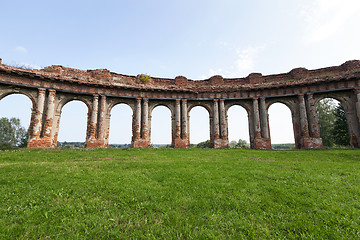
[[21, 49], [324, 18], [243, 65]]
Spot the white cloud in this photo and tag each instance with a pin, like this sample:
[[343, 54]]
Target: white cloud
[[324, 18], [242, 66], [30, 66], [21, 49]]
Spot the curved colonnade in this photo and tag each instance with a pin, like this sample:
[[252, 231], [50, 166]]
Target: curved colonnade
[[52, 87]]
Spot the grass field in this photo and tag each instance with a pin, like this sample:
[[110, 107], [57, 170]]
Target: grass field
[[179, 194]]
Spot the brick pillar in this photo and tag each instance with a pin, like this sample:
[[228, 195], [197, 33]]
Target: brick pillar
[[137, 122], [303, 117], [259, 141], [313, 117], [313, 139], [103, 142], [91, 141], [223, 120], [264, 119], [37, 122], [184, 116], [177, 119], [41, 132], [50, 114], [181, 139], [257, 129], [216, 126], [141, 131], [357, 97], [94, 117], [145, 119], [353, 121]]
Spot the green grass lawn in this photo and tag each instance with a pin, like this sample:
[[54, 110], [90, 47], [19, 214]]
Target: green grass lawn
[[179, 194]]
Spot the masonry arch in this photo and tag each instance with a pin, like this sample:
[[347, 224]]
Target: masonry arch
[[24, 92], [74, 115], [281, 123], [120, 125], [161, 125], [238, 123], [199, 127]]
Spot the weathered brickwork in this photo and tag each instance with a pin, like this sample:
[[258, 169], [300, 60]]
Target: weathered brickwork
[[52, 87]]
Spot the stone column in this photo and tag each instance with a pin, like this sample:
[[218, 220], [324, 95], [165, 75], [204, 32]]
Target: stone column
[[137, 122], [93, 117], [37, 122], [313, 117], [303, 117], [145, 119], [264, 119], [256, 118], [177, 119], [102, 120], [184, 119], [216, 119], [223, 120], [357, 97], [50, 114]]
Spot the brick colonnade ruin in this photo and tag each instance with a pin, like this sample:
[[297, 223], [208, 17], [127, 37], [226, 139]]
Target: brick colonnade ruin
[[52, 87]]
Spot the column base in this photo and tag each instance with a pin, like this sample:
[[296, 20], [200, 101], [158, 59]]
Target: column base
[[181, 143], [311, 143], [40, 143], [140, 143], [263, 143], [96, 144], [220, 143]]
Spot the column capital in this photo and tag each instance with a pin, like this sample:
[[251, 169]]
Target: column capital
[[96, 95], [215, 100], [42, 90], [184, 100], [145, 99], [52, 90]]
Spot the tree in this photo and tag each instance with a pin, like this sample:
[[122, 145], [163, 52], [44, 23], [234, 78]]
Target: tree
[[205, 144], [242, 144], [325, 109], [12, 134], [232, 144], [332, 122], [340, 129]]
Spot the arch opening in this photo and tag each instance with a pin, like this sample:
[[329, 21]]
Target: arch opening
[[238, 126], [160, 126], [281, 126], [16, 106], [120, 129], [333, 123], [199, 125], [73, 124]]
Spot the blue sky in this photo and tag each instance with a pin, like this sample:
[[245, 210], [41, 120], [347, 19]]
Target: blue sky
[[195, 38]]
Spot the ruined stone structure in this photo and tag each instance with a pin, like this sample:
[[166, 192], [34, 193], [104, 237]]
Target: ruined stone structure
[[52, 87]]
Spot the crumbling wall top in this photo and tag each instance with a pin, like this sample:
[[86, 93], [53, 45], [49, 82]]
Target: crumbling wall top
[[253, 80]]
